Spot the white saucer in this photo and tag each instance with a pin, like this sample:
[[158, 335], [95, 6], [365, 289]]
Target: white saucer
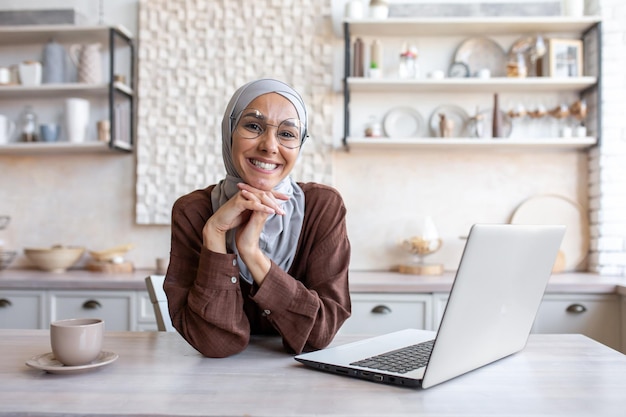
[[47, 362]]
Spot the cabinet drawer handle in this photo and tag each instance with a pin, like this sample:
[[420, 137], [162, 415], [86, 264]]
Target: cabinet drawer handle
[[576, 309], [5, 303], [91, 305], [381, 309]]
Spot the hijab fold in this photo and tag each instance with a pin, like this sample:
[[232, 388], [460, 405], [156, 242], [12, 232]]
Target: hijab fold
[[280, 235]]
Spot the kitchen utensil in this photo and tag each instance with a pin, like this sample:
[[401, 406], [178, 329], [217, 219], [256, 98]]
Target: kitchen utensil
[[88, 60], [30, 73], [452, 112], [54, 59], [49, 132], [110, 254], [76, 119], [403, 122], [56, 259], [76, 342], [28, 125], [47, 362], [479, 53], [7, 128], [5, 76], [104, 130], [6, 257]]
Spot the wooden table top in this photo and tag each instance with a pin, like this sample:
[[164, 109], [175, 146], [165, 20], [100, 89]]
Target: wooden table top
[[158, 373]]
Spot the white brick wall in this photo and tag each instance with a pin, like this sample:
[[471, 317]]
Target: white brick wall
[[192, 57], [607, 163]]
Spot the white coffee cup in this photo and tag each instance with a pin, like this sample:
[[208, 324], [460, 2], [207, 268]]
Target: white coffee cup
[[5, 76], [76, 341], [76, 119], [30, 73], [7, 128]]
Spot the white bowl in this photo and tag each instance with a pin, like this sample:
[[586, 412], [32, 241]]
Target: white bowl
[[55, 259]]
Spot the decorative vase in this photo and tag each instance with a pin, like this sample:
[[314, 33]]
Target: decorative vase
[[76, 119], [88, 60], [54, 58]]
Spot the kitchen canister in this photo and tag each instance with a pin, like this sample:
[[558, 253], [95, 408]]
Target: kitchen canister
[[88, 60], [5, 76], [54, 58], [76, 119], [573, 8], [30, 73]]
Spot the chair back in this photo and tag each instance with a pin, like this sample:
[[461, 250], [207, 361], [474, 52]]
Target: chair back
[[154, 284]]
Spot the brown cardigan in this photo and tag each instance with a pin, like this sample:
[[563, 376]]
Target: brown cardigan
[[216, 311]]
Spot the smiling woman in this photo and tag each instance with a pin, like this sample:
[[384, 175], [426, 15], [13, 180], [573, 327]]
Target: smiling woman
[[258, 253]]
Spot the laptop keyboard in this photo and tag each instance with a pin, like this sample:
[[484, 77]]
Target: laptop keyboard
[[401, 360]]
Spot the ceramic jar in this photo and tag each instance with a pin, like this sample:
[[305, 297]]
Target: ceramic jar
[[354, 9], [76, 119], [379, 9], [54, 58], [30, 73], [88, 60]]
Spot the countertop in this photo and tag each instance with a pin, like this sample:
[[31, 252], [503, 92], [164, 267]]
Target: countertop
[[158, 373], [360, 281]]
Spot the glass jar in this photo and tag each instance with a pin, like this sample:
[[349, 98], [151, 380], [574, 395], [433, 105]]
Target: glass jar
[[28, 125], [408, 65]]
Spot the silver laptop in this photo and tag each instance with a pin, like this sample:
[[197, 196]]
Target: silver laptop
[[493, 302]]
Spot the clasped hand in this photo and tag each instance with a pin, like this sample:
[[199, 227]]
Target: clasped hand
[[248, 210]]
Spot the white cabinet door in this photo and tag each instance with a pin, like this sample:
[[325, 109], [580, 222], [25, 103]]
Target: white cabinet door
[[374, 314], [596, 316], [117, 308], [23, 310], [146, 321], [440, 301]]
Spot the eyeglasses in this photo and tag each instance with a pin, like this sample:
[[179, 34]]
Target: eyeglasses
[[252, 124]]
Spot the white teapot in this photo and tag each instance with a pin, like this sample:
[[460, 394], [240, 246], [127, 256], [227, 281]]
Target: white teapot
[[88, 60]]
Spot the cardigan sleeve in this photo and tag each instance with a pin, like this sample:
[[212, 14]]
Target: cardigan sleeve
[[309, 308], [204, 296]]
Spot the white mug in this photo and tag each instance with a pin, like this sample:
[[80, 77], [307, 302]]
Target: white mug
[[7, 127], [76, 119], [5, 76], [30, 73]]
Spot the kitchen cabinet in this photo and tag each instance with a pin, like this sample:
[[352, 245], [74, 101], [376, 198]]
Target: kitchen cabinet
[[365, 96], [375, 314], [112, 100], [116, 308], [122, 310], [23, 309], [596, 316]]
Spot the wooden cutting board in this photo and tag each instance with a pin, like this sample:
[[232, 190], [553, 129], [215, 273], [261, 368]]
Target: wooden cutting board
[[110, 267]]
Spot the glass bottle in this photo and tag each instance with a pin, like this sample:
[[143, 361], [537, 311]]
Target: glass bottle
[[28, 125], [496, 128]]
